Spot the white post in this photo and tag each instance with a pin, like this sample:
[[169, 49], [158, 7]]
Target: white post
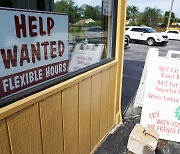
[[170, 15]]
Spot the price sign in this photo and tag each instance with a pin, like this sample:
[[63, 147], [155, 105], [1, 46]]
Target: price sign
[[161, 102]]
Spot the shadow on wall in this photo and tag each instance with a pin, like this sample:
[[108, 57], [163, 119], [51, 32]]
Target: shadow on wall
[[131, 79]]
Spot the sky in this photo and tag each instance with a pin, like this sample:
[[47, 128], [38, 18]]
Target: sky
[[164, 5]]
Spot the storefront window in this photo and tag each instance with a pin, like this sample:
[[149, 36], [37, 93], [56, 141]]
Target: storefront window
[[90, 31], [39, 49]]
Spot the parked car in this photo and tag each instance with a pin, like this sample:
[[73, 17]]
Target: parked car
[[126, 42], [96, 35], [172, 34], [94, 32], [146, 34]]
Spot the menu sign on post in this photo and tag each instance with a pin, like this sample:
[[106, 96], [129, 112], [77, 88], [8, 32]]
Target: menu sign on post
[[107, 10], [33, 49], [161, 104]]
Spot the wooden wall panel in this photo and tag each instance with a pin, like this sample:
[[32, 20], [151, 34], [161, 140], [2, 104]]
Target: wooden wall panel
[[4, 139], [24, 131], [104, 103], [85, 116], [51, 124], [95, 110], [111, 104], [70, 120]]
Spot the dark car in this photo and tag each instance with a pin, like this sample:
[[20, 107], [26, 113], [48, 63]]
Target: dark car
[[126, 42], [96, 35]]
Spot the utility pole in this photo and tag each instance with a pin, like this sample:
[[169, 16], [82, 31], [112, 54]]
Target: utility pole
[[169, 19]]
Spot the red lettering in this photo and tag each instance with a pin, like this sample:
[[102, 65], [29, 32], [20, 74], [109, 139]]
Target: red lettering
[[42, 32], [32, 27], [36, 52], [24, 54], [21, 26], [60, 48], [9, 57], [50, 25], [45, 44], [52, 49]]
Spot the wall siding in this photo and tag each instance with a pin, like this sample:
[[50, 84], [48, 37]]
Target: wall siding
[[95, 110], [51, 124], [24, 131], [104, 103], [70, 109], [73, 120], [111, 104], [85, 116], [4, 139]]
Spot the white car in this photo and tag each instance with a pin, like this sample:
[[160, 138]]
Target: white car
[[146, 34], [172, 34]]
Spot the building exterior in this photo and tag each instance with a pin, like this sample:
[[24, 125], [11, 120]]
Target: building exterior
[[70, 112]]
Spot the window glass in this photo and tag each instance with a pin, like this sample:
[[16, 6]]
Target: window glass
[[41, 49], [135, 29], [175, 32], [141, 30], [150, 30], [90, 31]]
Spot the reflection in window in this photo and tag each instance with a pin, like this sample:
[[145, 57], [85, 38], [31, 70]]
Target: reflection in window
[[42, 5], [90, 39]]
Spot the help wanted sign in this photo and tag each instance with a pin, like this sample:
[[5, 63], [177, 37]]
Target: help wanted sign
[[33, 49], [161, 102]]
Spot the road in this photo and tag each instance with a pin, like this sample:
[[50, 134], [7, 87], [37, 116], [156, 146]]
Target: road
[[134, 59]]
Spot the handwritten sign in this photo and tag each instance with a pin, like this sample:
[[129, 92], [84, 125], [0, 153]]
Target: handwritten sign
[[85, 55], [33, 49], [161, 103]]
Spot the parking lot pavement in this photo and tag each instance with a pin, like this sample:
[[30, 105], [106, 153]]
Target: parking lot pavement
[[134, 59]]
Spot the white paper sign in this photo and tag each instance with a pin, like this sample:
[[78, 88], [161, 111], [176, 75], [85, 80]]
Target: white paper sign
[[107, 4], [33, 49], [161, 103], [85, 55]]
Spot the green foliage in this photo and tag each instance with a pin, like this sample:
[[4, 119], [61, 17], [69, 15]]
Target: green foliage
[[76, 29], [133, 15], [151, 16], [132, 12], [69, 7], [92, 12], [177, 19], [166, 16], [76, 13]]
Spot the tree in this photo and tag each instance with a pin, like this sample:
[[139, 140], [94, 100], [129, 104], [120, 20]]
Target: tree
[[68, 6], [132, 14], [92, 12], [151, 16], [166, 16]]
